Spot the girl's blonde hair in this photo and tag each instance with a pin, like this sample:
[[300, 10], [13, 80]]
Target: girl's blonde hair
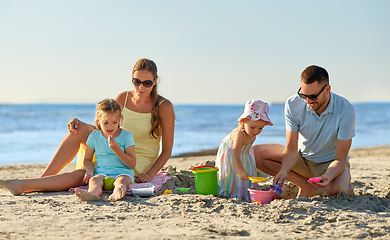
[[149, 65], [105, 108], [241, 124]]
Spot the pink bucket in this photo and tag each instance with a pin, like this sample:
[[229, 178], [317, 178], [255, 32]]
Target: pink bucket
[[265, 197]]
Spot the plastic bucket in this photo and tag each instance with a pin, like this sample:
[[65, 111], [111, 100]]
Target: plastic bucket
[[264, 197], [205, 179]]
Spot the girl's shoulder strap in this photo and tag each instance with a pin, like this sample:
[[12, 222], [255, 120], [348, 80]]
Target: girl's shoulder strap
[[241, 131]]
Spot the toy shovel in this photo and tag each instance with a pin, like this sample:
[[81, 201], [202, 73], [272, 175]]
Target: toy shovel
[[255, 179], [277, 190]]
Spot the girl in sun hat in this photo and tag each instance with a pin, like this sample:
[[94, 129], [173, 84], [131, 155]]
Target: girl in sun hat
[[255, 110], [235, 153]]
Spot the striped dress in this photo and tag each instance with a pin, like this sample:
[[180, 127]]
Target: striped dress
[[228, 183]]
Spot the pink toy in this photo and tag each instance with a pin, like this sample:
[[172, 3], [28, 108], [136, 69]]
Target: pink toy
[[315, 180]]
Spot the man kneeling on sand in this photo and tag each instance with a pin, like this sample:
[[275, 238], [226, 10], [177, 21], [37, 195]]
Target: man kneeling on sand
[[320, 126]]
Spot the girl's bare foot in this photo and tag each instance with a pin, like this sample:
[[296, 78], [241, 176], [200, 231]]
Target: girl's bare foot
[[118, 193], [12, 186], [83, 195]]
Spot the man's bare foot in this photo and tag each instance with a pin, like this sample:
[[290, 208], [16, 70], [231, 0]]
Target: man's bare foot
[[12, 186], [307, 191], [118, 193], [83, 195], [351, 192]]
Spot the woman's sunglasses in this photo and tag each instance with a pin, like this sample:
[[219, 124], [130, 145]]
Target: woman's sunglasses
[[311, 97], [146, 83]]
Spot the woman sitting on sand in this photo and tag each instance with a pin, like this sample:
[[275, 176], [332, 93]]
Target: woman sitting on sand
[[150, 118]]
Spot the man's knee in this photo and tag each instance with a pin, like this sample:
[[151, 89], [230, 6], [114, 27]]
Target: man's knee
[[263, 150], [272, 152], [257, 149]]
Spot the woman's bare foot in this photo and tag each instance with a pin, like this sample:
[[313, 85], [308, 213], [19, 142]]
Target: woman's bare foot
[[118, 193], [83, 195], [11, 185]]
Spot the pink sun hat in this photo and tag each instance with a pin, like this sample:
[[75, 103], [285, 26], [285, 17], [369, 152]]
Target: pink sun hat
[[255, 110]]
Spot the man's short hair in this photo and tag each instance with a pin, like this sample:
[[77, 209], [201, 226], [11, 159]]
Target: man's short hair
[[314, 74]]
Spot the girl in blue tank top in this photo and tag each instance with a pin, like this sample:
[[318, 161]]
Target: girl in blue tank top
[[114, 151]]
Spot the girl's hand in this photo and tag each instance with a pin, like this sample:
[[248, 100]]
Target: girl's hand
[[112, 143], [244, 175], [143, 178], [73, 125], [87, 176]]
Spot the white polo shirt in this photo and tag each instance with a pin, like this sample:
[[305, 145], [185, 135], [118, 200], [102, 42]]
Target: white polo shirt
[[318, 134]]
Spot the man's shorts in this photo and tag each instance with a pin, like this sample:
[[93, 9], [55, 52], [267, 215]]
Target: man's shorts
[[308, 169]]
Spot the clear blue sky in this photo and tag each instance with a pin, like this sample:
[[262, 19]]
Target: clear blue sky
[[206, 51]]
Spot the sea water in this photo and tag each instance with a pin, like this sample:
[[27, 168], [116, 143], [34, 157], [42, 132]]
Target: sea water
[[31, 133]]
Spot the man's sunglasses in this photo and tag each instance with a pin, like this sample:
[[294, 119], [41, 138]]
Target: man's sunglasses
[[311, 97], [146, 83]]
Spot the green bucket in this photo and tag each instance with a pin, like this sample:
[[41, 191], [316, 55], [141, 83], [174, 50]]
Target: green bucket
[[205, 179]]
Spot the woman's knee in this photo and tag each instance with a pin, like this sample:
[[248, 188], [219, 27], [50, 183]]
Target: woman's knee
[[84, 131]]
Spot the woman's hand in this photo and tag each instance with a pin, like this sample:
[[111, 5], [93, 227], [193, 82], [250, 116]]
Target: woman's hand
[[73, 125], [143, 178]]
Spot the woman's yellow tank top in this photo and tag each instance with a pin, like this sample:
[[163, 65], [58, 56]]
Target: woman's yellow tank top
[[146, 147]]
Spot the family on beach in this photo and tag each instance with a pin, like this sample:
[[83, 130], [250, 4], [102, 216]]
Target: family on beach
[[124, 143]]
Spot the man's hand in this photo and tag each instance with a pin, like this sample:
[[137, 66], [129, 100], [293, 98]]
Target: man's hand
[[324, 181], [280, 177]]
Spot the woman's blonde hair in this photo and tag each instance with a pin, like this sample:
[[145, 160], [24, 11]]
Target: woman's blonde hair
[[105, 108], [149, 65]]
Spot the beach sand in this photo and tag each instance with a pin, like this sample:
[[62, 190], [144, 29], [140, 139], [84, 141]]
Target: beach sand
[[58, 215]]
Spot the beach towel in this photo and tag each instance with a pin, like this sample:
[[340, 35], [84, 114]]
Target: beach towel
[[157, 181]]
